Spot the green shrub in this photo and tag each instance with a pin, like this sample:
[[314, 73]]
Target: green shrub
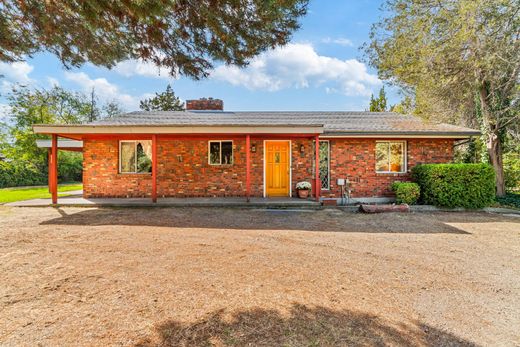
[[70, 166], [512, 171], [18, 173], [406, 192], [510, 200], [456, 185], [21, 173]]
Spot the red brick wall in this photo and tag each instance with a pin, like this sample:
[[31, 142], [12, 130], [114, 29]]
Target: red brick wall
[[191, 177], [100, 173], [194, 177], [355, 159]]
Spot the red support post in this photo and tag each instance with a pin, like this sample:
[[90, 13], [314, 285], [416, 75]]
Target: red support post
[[154, 168], [248, 166], [49, 165], [317, 181], [53, 175]]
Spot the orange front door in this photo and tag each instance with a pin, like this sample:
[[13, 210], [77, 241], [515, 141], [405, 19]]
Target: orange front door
[[277, 169]]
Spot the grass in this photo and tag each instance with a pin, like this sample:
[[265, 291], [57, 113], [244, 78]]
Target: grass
[[27, 193]]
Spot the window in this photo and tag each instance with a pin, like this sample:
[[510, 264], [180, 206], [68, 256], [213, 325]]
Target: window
[[391, 157], [324, 164], [135, 156], [220, 152]]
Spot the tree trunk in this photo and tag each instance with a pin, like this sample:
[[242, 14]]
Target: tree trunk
[[494, 144], [494, 148]]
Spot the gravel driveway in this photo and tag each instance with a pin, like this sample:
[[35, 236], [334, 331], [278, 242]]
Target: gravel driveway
[[227, 277]]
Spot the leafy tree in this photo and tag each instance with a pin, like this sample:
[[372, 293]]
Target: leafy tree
[[165, 101], [378, 104], [111, 109], [40, 106], [182, 36], [405, 106], [459, 58]]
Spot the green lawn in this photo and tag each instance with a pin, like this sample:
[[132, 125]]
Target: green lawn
[[27, 193]]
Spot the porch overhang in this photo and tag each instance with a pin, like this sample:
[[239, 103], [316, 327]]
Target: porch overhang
[[80, 131], [401, 134]]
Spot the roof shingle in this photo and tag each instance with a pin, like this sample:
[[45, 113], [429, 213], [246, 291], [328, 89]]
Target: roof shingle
[[333, 122]]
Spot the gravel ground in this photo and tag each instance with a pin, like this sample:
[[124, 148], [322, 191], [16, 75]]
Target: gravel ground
[[227, 277]]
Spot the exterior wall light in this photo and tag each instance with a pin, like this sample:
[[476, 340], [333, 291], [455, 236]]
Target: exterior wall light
[[302, 148], [253, 148], [179, 158]]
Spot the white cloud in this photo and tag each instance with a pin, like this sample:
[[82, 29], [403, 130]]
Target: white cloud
[[129, 68], [17, 72], [105, 90], [298, 65], [342, 41], [53, 82]]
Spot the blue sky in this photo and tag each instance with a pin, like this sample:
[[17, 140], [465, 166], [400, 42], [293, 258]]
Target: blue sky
[[321, 69]]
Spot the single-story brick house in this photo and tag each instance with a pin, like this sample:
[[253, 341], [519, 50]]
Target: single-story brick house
[[207, 152]]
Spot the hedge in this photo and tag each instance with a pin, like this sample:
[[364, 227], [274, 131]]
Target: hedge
[[406, 192], [18, 173], [456, 185], [21, 173], [510, 199]]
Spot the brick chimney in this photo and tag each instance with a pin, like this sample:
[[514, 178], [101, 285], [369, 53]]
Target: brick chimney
[[204, 104]]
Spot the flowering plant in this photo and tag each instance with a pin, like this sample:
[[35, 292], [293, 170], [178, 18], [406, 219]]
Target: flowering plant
[[303, 186]]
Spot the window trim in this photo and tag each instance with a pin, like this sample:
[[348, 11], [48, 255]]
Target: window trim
[[135, 156], [405, 157], [328, 164], [232, 152]]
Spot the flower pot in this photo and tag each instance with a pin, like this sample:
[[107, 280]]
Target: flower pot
[[303, 193]]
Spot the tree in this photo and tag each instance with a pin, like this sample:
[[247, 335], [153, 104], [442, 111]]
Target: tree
[[459, 58], [40, 106], [165, 101], [379, 104], [94, 110], [111, 109], [184, 37], [405, 106]]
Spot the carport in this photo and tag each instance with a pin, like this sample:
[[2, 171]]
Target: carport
[[52, 157]]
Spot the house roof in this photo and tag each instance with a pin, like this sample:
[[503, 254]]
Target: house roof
[[327, 123], [332, 122]]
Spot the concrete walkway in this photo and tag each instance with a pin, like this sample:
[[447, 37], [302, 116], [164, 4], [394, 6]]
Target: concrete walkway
[[76, 199]]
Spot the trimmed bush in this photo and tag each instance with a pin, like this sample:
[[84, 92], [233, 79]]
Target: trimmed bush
[[406, 192], [510, 200], [456, 185], [21, 173], [18, 173]]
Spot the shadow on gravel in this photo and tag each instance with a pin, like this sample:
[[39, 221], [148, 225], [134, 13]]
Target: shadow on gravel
[[222, 218], [303, 326]]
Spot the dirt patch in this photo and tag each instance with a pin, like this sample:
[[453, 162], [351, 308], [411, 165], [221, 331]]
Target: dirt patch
[[195, 276]]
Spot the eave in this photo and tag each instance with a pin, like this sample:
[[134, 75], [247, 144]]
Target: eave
[[78, 130]]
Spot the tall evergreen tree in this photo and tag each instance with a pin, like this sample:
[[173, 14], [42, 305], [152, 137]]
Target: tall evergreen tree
[[183, 37], [380, 103], [165, 101]]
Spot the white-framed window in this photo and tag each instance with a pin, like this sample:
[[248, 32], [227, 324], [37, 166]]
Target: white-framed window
[[135, 156], [391, 156], [220, 152]]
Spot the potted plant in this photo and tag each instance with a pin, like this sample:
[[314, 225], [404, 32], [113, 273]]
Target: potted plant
[[303, 189]]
